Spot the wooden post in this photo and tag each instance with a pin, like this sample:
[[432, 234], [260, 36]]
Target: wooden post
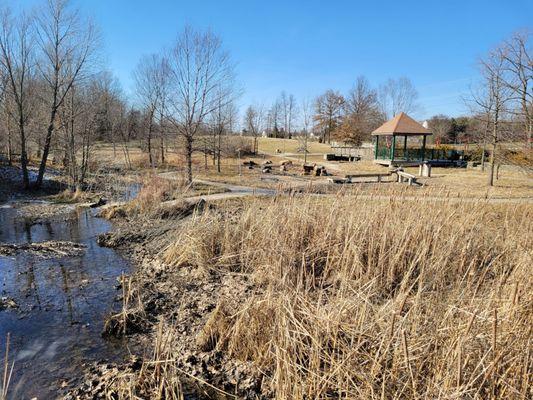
[[405, 148], [376, 149], [423, 148]]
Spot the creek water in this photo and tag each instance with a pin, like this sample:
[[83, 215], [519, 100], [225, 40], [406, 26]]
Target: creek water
[[62, 301]]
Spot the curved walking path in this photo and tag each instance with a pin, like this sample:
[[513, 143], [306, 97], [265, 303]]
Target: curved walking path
[[236, 191]]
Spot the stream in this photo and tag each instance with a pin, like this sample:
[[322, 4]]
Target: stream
[[61, 301]]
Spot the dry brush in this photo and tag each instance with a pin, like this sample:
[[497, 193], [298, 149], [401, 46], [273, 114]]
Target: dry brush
[[371, 299]]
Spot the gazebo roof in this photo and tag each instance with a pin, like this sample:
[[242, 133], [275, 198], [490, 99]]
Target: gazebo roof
[[402, 125]]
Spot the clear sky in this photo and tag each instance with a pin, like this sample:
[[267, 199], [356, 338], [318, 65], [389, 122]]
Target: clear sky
[[306, 47]]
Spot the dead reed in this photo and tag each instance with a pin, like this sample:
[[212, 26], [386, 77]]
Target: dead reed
[[157, 378], [131, 317], [372, 298], [7, 372], [147, 204]]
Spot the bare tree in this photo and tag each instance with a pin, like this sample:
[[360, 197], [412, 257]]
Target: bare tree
[[328, 113], [518, 74], [202, 80], [361, 113], [220, 121], [306, 108], [77, 119], [274, 119], [440, 125], [253, 123], [151, 86], [398, 95], [16, 57], [288, 112], [67, 44], [491, 100]]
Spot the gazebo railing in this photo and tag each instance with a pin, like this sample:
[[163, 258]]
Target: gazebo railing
[[408, 154], [417, 154], [383, 153]]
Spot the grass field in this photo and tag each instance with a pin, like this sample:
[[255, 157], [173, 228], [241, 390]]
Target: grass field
[[270, 145]]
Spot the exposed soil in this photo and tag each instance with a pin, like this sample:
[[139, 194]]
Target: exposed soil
[[185, 298], [44, 249]]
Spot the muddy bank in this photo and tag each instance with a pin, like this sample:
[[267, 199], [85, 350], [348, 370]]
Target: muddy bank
[[183, 299]]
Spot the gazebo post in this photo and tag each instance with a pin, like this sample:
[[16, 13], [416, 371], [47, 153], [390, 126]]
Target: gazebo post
[[393, 145], [377, 147], [423, 147], [405, 148]]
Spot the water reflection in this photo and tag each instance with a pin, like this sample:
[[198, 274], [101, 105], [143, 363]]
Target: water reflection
[[62, 301]]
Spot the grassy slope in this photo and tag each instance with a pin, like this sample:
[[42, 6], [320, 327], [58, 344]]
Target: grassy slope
[[270, 145]]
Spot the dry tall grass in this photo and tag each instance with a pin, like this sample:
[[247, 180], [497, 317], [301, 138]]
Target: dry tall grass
[[154, 191], [6, 373], [156, 379], [376, 299]]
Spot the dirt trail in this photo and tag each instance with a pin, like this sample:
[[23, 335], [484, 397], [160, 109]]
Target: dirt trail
[[238, 191]]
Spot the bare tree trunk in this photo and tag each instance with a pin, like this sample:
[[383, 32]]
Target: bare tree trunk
[[484, 146], [189, 143], [214, 144], [162, 138], [491, 170], [9, 144], [219, 170], [23, 154], [493, 153], [162, 149], [205, 153], [149, 140], [46, 149]]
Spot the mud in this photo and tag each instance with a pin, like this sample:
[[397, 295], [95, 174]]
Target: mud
[[185, 298], [44, 249]]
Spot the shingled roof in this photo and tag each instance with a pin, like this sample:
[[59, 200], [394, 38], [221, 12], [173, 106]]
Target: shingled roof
[[402, 124]]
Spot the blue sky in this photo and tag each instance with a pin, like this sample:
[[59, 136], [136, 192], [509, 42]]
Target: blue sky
[[306, 47]]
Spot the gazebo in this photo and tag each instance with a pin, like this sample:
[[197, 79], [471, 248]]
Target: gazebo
[[400, 141]]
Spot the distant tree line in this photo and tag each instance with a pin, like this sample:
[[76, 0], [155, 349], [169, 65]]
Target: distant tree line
[[57, 100], [332, 116]]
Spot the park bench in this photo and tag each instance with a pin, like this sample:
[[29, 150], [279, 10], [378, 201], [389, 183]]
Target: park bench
[[379, 176], [409, 178]]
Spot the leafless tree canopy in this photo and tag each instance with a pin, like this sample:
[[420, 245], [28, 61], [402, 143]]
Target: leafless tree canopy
[[398, 95], [361, 113], [152, 87], [66, 44], [253, 123], [328, 113], [202, 80]]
